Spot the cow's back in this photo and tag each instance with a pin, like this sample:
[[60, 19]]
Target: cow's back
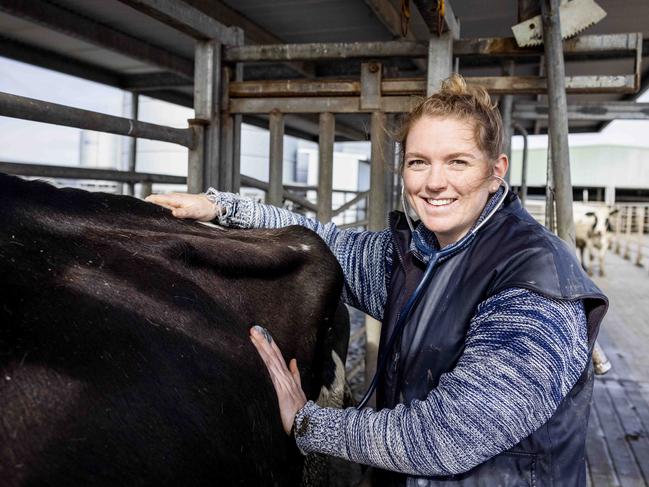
[[123, 342]]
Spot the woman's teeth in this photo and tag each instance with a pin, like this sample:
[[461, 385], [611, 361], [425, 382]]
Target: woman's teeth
[[440, 202]]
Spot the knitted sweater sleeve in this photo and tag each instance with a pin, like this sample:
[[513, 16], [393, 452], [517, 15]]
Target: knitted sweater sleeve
[[365, 257], [524, 352]]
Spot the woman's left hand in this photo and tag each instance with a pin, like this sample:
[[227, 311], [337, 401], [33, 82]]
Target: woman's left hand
[[290, 396]]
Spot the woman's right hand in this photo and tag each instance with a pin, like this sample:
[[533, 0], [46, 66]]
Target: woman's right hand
[[184, 205]]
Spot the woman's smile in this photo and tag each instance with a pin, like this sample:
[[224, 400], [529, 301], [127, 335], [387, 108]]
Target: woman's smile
[[439, 203]]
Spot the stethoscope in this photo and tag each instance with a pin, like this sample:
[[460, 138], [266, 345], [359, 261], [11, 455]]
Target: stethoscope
[[404, 314]]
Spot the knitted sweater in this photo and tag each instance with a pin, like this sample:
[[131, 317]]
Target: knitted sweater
[[523, 354]]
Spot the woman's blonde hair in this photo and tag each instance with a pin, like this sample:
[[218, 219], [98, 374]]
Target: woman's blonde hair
[[469, 103]]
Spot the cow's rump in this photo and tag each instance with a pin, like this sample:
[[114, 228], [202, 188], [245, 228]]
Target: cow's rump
[[124, 341]]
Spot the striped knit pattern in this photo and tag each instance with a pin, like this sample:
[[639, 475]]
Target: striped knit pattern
[[524, 352]]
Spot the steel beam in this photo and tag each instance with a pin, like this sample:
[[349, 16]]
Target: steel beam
[[427, 8], [80, 27], [586, 111], [41, 111], [276, 159], [325, 51], [185, 18], [496, 85], [72, 172], [325, 166], [391, 19], [558, 119], [583, 47], [153, 82]]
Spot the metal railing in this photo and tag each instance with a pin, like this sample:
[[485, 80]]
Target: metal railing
[[631, 232]]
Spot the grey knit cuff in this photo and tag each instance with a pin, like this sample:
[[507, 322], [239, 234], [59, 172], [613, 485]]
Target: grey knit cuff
[[320, 430], [232, 209]]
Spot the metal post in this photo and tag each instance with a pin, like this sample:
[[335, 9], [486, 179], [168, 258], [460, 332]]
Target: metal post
[[325, 166], [523, 192], [549, 192], [642, 213], [132, 147], [376, 222], [196, 163], [440, 61], [618, 224], [275, 188], [506, 104], [391, 165], [627, 233], [146, 188], [230, 136], [236, 139], [226, 143], [207, 80], [558, 119]]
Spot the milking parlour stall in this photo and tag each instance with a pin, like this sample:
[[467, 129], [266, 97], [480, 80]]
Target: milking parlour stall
[[194, 193]]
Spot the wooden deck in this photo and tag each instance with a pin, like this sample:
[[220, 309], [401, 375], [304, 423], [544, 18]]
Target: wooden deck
[[618, 436]]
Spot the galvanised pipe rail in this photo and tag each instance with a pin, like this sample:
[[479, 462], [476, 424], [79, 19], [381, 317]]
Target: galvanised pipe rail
[[74, 172], [41, 111]]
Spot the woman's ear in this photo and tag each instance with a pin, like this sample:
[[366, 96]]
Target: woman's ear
[[501, 166]]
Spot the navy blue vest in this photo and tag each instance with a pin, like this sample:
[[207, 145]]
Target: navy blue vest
[[510, 250]]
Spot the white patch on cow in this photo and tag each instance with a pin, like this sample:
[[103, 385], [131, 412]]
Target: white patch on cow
[[333, 396], [303, 247], [212, 225]]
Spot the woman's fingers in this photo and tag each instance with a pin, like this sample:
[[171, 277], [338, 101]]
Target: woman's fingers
[[163, 200], [295, 372], [271, 356], [183, 205], [290, 396]]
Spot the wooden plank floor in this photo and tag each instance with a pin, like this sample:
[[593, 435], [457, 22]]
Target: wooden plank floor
[[618, 435]]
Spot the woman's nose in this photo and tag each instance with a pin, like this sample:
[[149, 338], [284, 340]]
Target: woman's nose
[[436, 179]]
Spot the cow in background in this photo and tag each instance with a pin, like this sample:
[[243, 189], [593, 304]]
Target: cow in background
[[124, 346], [593, 234]]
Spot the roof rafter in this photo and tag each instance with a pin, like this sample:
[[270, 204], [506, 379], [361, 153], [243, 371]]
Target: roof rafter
[[254, 33], [391, 19], [69, 23]]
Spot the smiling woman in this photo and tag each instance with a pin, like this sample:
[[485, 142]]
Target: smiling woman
[[484, 373], [447, 176]]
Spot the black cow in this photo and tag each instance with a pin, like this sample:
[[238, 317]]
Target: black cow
[[124, 345]]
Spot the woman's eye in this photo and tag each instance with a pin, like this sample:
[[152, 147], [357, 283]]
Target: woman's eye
[[415, 162], [458, 162]]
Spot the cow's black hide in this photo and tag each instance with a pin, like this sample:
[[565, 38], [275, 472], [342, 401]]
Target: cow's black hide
[[124, 345]]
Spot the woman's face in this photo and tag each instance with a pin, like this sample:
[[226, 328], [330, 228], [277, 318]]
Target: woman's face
[[446, 176]]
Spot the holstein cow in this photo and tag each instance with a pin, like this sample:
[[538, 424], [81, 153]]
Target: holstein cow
[[593, 234], [124, 345]]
